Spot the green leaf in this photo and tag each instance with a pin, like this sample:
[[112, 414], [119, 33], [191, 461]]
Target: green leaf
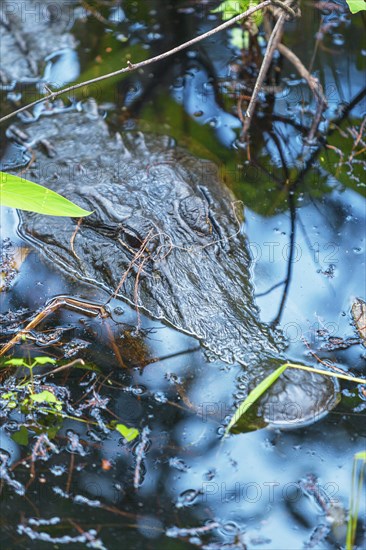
[[23, 194], [7, 395], [128, 433], [356, 5], [45, 397], [254, 396], [21, 436], [239, 38], [16, 362], [230, 8], [44, 360]]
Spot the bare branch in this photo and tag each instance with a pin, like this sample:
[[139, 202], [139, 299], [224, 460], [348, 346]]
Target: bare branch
[[267, 60], [312, 81]]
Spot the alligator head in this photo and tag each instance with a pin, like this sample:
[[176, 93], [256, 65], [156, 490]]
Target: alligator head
[[165, 235]]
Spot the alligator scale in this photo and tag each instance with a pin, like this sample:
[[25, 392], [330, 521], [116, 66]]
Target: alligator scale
[[165, 235]]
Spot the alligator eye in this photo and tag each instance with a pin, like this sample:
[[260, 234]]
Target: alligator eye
[[138, 233], [132, 240]]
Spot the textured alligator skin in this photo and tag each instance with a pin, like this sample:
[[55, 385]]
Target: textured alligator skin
[[165, 235]]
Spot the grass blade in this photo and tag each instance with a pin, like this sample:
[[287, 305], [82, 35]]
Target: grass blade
[[254, 395], [358, 472]]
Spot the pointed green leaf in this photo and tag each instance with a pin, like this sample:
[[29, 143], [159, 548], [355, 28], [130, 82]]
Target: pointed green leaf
[[128, 433], [21, 436], [42, 360], [23, 194], [44, 397], [16, 362]]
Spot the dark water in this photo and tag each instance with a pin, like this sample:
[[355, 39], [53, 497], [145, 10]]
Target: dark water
[[261, 489]]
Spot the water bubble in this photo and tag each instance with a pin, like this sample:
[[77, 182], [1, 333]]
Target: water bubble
[[187, 498], [160, 397], [338, 39], [178, 464], [208, 86], [74, 445], [11, 426], [214, 122], [58, 470]]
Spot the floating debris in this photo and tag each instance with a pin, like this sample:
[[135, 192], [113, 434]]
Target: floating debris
[[5, 475], [359, 317], [140, 452]]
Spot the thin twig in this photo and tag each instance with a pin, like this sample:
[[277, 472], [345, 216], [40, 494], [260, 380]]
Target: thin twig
[[348, 377], [313, 82], [133, 67], [53, 305], [64, 367], [267, 60]]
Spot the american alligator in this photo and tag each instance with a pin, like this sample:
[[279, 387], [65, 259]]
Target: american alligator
[[165, 235]]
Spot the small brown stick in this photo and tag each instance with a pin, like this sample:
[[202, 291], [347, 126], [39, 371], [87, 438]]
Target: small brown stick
[[136, 257], [95, 13], [357, 141], [313, 82], [339, 153], [136, 294], [115, 348], [327, 364], [359, 136], [136, 66], [81, 531], [31, 161], [267, 60], [71, 470], [39, 450], [54, 305], [64, 367], [73, 237], [358, 153]]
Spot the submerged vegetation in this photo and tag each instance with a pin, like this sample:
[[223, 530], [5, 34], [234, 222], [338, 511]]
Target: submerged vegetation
[[44, 405]]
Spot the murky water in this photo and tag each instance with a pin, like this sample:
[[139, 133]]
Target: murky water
[[179, 485]]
